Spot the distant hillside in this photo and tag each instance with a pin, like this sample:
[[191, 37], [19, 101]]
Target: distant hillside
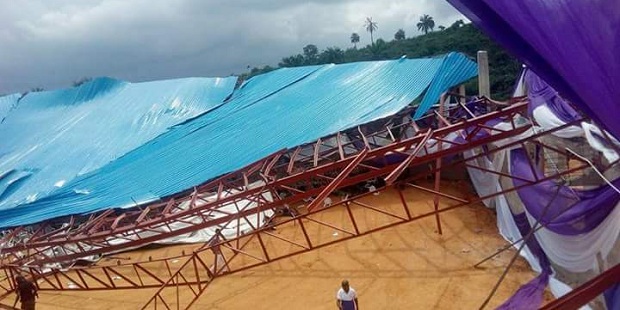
[[459, 37]]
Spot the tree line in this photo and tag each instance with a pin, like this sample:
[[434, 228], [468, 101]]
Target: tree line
[[459, 37]]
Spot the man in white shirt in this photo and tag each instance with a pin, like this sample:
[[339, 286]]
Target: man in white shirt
[[346, 298]]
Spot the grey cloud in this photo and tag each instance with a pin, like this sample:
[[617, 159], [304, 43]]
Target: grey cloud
[[52, 43]]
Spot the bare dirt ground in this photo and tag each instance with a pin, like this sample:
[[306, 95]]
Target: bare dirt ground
[[408, 266]]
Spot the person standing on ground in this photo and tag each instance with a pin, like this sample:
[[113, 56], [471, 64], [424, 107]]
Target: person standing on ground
[[346, 298], [220, 261], [26, 292]]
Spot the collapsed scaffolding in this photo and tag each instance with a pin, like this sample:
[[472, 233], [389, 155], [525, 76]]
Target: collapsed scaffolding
[[396, 149]]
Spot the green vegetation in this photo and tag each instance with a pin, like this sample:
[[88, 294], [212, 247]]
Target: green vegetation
[[458, 37], [399, 35], [355, 38]]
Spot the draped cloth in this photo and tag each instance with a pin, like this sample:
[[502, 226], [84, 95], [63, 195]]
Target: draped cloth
[[577, 224], [532, 292], [571, 211], [552, 111], [571, 44], [540, 93], [529, 295]]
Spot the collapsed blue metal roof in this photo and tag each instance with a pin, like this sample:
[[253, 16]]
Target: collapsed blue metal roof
[[270, 112], [49, 138], [7, 103]]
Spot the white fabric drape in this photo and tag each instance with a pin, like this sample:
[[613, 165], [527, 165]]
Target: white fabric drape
[[574, 253], [589, 130], [548, 120], [578, 253], [485, 183]]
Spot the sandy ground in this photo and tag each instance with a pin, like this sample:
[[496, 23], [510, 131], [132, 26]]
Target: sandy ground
[[408, 266]]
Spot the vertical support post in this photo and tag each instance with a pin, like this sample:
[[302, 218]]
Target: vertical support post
[[442, 110], [12, 283], [303, 229], [404, 202], [484, 86], [462, 99], [348, 205], [178, 298]]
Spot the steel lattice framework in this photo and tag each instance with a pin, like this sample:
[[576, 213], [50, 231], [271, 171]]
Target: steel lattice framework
[[387, 149]]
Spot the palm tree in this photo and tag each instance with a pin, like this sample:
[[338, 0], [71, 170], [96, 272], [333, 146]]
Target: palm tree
[[371, 27], [355, 38], [399, 35], [426, 23]]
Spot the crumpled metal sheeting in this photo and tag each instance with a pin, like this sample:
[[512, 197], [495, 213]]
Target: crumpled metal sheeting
[[49, 138], [270, 112]]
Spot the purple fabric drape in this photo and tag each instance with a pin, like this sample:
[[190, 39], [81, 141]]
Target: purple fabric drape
[[529, 295], [612, 297], [476, 108], [588, 208], [540, 93], [532, 243], [571, 44]]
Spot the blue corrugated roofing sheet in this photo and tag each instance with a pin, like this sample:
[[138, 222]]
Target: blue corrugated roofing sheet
[[49, 138], [7, 103], [277, 110], [453, 71]]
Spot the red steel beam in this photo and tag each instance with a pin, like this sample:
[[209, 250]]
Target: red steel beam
[[357, 233], [338, 180], [106, 282], [130, 228], [395, 174], [586, 292], [199, 280]]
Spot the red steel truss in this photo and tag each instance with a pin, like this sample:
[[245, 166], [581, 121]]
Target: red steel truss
[[319, 167], [199, 268], [313, 172]]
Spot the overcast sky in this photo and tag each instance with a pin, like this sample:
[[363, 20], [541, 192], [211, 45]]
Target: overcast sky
[[51, 43]]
